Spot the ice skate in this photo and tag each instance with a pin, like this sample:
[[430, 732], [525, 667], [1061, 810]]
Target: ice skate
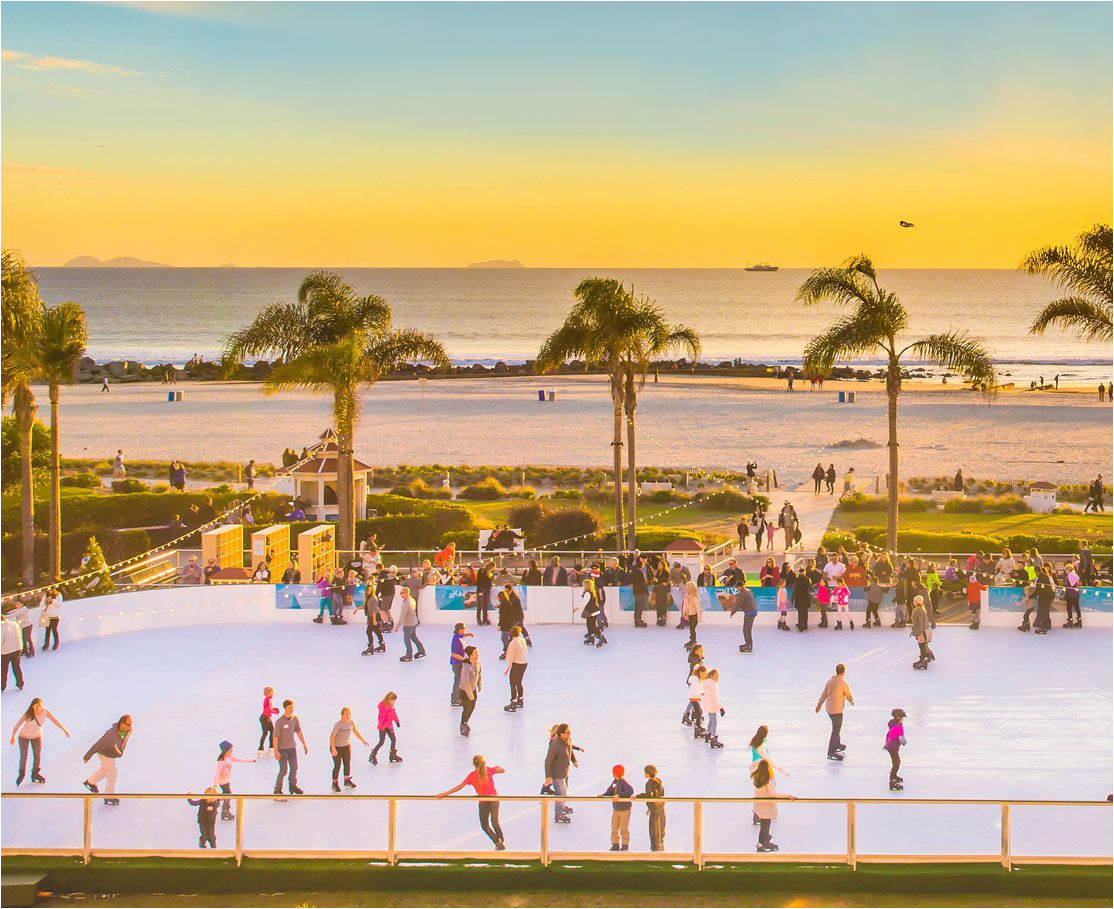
[[601, 641], [1024, 626], [278, 794], [421, 655], [464, 730], [1068, 624], [19, 778], [348, 784], [921, 664], [294, 790], [686, 720], [835, 756], [823, 623], [839, 626], [931, 656], [974, 626], [227, 816], [38, 778], [395, 758], [895, 786], [510, 708], [851, 623], [318, 621], [746, 648], [714, 742], [767, 847], [92, 787], [520, 703], [336, 786], [373, 759], [367, 652], [382, 648], [699, 732], [690, 644], [406, 659]]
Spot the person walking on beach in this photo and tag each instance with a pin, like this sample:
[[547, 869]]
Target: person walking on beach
[[409, 620], [388, 719], [620, 791], [457, 658], [836, 692], [895, 738], [11, 651], [766, 810], [818, 475], [287, 727], [104, 385], [471, 683], [655, 811], [267, 736], [480, 779], [108, 748], [830, 479], [340, 747], [558, 759], [119, 470], [222, 776], [1102, 392], [922, 633], [206, 817], [516, 669], [712, 707], [29, 731], [249, 474]]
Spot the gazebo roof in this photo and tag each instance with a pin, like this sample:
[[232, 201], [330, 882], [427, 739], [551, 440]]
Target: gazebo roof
[[687, 544], [326, 466], [1042, 484]]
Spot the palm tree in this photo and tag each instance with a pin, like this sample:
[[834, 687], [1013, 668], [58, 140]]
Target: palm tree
[[22, 321], [652, 337], [873, 327], [61, 344], [598, 329], [332, 340], [1082, 269]]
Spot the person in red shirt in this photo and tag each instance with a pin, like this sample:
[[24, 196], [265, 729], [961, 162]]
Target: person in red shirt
[[855, 575], [974, 598], [481, 780]]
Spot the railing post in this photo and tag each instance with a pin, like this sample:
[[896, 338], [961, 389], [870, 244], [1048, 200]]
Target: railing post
[[239, 831], [698, 834], [392, 830], [1007, 859], [852, 856], [87, 831], [544, 850]]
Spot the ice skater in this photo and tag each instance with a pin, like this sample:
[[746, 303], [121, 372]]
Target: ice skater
[[895, 738], [266, 724], [842, 597], [975, 587], [823, 601], [922, 633], [782, 605], [222, 776], [22, 615], [51, 617], [457, 659], [409, 622], [109, 748], [655, 811], [836, 692], [592, 614], [560, 756], [207, 818], [758, 753], [620, 791], [471, 683], [516, 669], [480, 779], [693, 715], [874, 594], [11, 651], [374, 622], [340, 748], [712, 707], [287, 727], [766, 810], [386, 723], [29, 730], [802, 599], [748, 606], [690, 611]]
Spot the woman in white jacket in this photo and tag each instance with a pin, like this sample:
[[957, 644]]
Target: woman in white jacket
[[710, 701], [690, 611]]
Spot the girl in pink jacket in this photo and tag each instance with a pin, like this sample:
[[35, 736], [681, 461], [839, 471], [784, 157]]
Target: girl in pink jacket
[[842, 597], [388, 719]]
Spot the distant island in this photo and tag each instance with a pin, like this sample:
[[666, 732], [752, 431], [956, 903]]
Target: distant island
[[497, 263], [118, 262]]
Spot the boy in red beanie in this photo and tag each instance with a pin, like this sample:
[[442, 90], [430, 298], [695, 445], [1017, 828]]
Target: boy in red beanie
[[619, 791]]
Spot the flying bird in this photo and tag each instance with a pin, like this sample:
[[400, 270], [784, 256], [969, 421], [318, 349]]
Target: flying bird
[[906, 223]]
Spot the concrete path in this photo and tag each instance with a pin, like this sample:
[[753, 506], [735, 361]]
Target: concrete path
[[815, 513]]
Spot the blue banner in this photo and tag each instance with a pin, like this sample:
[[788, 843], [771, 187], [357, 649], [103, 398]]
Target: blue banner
[[1012, 599], [308, 596], [456, 598]]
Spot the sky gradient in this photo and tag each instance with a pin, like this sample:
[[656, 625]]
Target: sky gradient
[[581, 134]]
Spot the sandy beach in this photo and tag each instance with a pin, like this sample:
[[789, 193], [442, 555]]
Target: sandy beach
[[683, 422]]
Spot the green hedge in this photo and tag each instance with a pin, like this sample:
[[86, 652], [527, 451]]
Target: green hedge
[[117, 546], [467, 540], [928, 541], [731, 499], [487, 490]]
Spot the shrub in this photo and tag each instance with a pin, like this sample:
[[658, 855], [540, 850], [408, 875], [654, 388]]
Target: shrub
[[522, 492], [661, 495], [129, 485], [465, 540], [651, 537], [566, 524], [574, 494], [1007, 504], [419, 489], [487, 490], [84, 480], [527, 516], [732, 499]]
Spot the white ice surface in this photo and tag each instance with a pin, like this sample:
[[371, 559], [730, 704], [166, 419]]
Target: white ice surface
[[999, 715]]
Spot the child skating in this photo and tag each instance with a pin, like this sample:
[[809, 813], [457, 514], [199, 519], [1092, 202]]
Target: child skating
[[710, 702], [222, 777], [922, 633], [693, 715], [842, 597], [340, 747], [206, 818], [267, 738], [619, 792], [655, 810], [388, 720], [782, 605], [895, 738]]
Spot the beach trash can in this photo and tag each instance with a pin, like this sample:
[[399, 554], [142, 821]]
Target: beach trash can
[[177, 396], [842, 397], [552, 395], [541, 394], [170, 396], [850, 397]]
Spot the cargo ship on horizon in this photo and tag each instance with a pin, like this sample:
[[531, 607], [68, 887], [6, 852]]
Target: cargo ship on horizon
[[761, 266]]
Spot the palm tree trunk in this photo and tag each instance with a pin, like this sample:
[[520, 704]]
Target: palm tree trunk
[[346, 513], [24, 407], [55, 488], [617, 449], [893, 389], [631, 405]]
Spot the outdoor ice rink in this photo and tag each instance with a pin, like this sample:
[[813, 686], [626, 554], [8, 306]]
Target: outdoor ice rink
[[999, 715]]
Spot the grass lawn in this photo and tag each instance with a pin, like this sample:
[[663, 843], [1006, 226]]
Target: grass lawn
[[695, 517], [1077, 524]]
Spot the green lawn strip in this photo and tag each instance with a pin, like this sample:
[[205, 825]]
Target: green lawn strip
[[488, 514], [1079, 525], [153, 875]]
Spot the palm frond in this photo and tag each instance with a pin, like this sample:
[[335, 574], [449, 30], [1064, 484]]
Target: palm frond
[[848, 337], [1091, 321], [281, 329], [20, 304], [404, 345], [851, 282], [572, 341], [65, 335], [958, 352], [1083, 267]]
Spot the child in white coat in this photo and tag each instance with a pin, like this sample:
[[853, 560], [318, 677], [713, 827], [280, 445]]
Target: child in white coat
[[710, 702]]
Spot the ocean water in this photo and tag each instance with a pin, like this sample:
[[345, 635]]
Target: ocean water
[[486, 315]]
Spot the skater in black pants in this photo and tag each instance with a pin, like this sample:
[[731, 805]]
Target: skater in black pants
[[516, 669], [874, 594], [471, 683], [485, 578], [388, 719], [836, 692], [207, 818], [1045, 593], [480, 779], [340, 747], [895, 738], [287, 728], [922, 633], [690, 611], [802, 599], [641, 591], [1071, 601], [655, 810], [766, 810], [748, 606], [592, 614], [267, 738], [374, 622], [662, 597]]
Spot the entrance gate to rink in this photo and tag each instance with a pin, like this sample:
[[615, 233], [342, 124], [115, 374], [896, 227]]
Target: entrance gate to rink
[[545, 853]]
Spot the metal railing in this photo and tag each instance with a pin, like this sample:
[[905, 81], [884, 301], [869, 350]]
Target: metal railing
[[544, 851]]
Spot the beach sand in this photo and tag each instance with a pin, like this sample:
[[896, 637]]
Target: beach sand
[[682, 422]]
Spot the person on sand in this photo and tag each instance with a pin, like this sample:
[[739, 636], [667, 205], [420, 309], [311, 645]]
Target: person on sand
[[835, 694], [818, 475], [766, 810], [480, 779], [29, 731], [830, 479]]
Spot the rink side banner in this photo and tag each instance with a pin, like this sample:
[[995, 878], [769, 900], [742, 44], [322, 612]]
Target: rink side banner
[[308, 596], [1012, 599], [452, 598]]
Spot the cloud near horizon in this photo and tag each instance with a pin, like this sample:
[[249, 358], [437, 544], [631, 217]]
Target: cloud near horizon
[[48, 62]]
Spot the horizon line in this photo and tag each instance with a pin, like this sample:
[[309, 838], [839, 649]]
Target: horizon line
[[163, 266]]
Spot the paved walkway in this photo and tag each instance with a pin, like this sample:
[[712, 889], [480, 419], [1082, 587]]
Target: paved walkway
[[815, 513]]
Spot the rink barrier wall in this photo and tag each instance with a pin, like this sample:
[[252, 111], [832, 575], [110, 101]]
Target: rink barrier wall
[[544, 854], [185, 606]]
